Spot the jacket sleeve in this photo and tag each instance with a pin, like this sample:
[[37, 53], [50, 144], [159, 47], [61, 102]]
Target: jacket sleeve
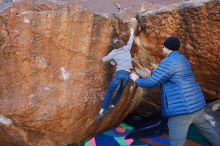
[[158, 77], [108, 57]]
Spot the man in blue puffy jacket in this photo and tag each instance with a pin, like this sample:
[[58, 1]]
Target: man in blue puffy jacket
[[182, 99]]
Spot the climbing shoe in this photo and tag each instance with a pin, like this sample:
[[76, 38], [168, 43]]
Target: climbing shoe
[[109, 109], [100, 115]]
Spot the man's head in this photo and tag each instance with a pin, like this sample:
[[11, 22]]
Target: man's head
[[172, 43], [120, 43]]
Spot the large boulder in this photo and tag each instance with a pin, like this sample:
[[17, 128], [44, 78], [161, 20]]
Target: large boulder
[[52, 81], [197, 25]]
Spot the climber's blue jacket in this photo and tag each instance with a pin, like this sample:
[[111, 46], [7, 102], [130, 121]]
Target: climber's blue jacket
[[180, 93]]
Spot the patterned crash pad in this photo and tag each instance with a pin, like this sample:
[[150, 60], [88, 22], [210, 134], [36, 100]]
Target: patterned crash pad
[[113, 137], [141, 130], [116, 137]]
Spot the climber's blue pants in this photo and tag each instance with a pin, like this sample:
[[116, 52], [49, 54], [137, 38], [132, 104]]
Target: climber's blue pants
[[121, 78]]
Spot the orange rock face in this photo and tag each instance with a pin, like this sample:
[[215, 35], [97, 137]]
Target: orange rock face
[[197, 25], [52, 80]]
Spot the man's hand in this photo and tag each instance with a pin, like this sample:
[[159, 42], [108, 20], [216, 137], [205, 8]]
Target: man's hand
[[155, 66], [143, 72], [112, 62], [134, 76], [147, 71]]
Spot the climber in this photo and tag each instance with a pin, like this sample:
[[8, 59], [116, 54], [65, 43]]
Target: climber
[[122, 57]]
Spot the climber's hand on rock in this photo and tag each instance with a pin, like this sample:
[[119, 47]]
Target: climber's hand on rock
[[131, 31], [134, 76]]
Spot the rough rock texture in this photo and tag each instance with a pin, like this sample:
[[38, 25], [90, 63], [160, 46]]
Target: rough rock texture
[[197, 24], [52, 80]]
